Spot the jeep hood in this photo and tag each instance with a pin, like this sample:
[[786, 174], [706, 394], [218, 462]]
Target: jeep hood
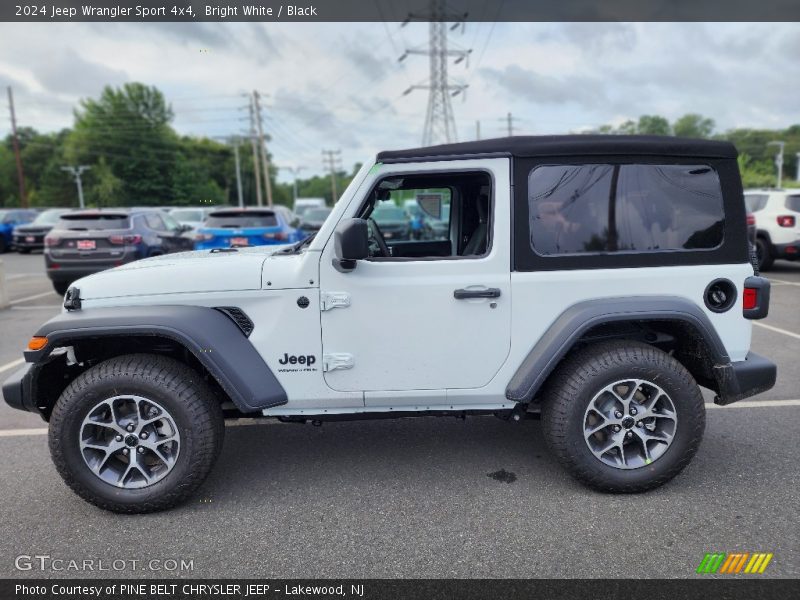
[[185, 272]]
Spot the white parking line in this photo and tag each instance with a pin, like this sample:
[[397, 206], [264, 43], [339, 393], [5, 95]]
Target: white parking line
[[22, 275], [778, 330], [34, 297], [783, 281], [11, 365], [241, 422]]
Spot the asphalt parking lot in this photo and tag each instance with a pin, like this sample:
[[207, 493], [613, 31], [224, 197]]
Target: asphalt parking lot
[[419, 497]]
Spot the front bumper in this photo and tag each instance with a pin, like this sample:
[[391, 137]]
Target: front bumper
[[17, 390], [742, 379]]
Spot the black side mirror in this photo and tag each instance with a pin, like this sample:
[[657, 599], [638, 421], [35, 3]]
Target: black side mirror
[[350, 243]]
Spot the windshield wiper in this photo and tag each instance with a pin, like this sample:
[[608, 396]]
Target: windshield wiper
[[294, 249]]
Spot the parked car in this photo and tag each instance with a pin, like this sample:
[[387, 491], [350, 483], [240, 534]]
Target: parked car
[[301, 205], [191, 216], [88, 241], [236, 227], [602, 311], [394, 222], [9, 219], [313, 219], [777, 214], [31, 235], [438, 229]]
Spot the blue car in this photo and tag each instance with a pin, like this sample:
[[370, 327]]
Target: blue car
[[237, 227], [10, 218]]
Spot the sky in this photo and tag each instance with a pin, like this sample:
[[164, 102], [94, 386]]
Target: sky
[[340, 85]]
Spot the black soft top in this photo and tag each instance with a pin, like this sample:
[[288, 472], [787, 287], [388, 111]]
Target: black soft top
[[569, 145]]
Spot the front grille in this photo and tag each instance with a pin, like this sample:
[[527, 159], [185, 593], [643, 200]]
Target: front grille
[[238, 316]]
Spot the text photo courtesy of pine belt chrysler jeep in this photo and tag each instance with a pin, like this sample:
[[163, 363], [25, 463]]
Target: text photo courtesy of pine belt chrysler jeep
[[594, 281]]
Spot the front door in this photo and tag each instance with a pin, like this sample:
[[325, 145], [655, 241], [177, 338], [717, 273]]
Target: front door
[[436, 314]]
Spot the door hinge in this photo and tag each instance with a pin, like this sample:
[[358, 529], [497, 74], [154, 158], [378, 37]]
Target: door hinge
[[329, 300], [331, 362]]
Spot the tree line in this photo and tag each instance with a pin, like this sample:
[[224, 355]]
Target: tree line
[[138, 159]]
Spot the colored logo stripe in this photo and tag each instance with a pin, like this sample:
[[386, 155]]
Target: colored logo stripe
[[721, 562]]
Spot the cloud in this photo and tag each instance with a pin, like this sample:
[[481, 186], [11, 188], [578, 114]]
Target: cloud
[[66, 72], [528, 85]]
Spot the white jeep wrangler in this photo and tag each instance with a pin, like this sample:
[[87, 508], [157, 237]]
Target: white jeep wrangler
[[595, 281]]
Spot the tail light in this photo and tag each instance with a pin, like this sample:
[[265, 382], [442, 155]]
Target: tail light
[[120, 240], [281, 235], [751, 219], [203, 237], [755, 298], [52, 240], [786, 220]]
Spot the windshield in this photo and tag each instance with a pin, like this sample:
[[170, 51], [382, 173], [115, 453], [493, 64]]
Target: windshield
[[83, 222], [239, 220], [48, 217], [187, 214], [317, 214]]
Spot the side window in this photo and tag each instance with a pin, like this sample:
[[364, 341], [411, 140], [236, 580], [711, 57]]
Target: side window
[[432, 215], [592, 208], [170, 222], [154, 222], [755, 202]]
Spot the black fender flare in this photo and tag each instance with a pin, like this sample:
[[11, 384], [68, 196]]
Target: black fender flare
[[209, 334], [579, 318]]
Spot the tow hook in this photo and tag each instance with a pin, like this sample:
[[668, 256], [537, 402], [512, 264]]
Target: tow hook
[[316, 423]]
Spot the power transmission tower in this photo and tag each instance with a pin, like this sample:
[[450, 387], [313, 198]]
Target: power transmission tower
[[263, 145], [440, 125], [332, 160], [76, 173], [23, 199], [254, 144]]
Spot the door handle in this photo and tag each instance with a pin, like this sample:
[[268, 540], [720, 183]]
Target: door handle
[[464, 294]]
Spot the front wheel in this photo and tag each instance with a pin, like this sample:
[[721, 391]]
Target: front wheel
[[136, 433], [623, 416]]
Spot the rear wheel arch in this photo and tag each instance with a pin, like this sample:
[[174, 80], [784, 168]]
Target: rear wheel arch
[[672, 324]]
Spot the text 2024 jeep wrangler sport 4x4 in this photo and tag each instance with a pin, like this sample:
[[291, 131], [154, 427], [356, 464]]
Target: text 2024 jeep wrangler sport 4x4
[[596, 280]]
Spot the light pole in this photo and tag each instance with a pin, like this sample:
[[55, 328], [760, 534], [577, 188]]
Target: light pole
[[294, 171], [798, 166], [779, 160], [76, 173]]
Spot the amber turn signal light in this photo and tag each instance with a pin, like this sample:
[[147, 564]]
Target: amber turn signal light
[[37, 343]]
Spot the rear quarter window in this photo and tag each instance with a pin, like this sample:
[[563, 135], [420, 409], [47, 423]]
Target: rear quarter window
[[617, 208], [793, 203]]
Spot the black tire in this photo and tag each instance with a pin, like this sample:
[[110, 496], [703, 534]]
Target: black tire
[[178, 389], [61, 287], [3, 245], [764, 254], [580, 377]]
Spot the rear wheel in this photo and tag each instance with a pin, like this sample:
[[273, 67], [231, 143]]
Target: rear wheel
[[764, 254], [3, 245], [136, 433], [623, 416]]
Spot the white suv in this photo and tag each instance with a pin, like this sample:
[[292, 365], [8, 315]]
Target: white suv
[[777, 214], [593, 281]]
